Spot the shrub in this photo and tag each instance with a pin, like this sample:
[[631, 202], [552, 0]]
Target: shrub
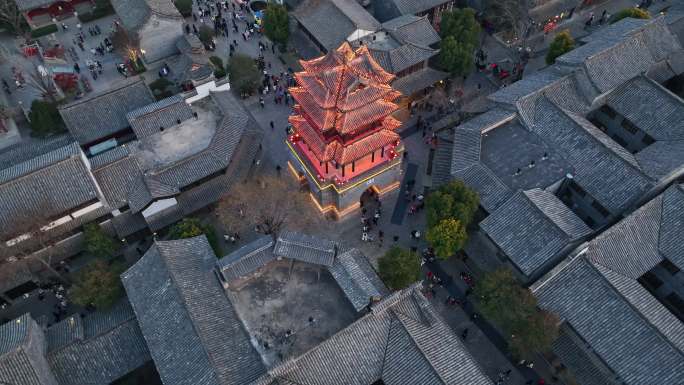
[[244, 74], [276, 23], [399, 268], [45, 118], [97, 242], [219, 69], [42, 31], [206, 34], [160, 88], [562, 43], [636, 13], [102, 8], [184, 7], [97, 284], [192, 227]]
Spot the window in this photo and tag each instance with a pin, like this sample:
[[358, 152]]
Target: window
[[650, 281], [669, 266], [629, 127], [608, 111], [598, 207], [579, 190], [675, 300], [647, 140]]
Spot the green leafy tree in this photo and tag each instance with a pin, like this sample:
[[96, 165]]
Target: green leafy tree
[[455, 57], [98, 243], [562, 43], [244, 74], [513, 309], [447, 237], [219, 69], [452, 200], [98, 284], [461, 25], [460, 35], [206, 34], [399, 268], [184, 7], [45, 118], [635, 13], [276, 23], [192, 227]]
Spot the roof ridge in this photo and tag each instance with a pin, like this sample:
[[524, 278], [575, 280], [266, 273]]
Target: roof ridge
[[172, 276], [403, 323], [117, 87], [566, 235], [638, 312]]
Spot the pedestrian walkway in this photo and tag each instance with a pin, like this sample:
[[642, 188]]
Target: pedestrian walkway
[[402, 204]]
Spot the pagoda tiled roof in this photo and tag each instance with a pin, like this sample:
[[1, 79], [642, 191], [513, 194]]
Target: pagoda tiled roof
[[346, 92]]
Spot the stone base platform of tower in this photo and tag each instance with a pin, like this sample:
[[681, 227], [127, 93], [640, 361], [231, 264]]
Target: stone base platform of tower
[[340, 199]]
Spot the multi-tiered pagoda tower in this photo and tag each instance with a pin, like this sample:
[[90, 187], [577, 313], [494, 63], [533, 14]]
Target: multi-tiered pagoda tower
[[344, 141]]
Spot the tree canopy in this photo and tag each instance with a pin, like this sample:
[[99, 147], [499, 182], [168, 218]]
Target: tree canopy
[[192, 227], [562, 43], [98, 284], [399, 268], [45, 118], [461, 25], [97, 243], [452, 200], [636, 13], [460, 36], [184, 7], [206, 34], [513, 309], [447, 237], [276, 23], [244, 74]]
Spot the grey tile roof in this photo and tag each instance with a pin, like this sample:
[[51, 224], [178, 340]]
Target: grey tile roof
[[672, 226], [22, 348], [27, 5], [492, 191], [418, 80], [532, 228], [402, 340], [651, 107], [246, 259], [441, 163], [103, 114], [134, 13], [116, 178], [413, 29], [349, 16], [399, 58], [165, 113], [617, 332], [627, 49], [27, 150], [29, 188], [306, 248], [390, 9], [583, 368], [601, 166], [357, 278], [99, 349], [598, 294], [191, 328]]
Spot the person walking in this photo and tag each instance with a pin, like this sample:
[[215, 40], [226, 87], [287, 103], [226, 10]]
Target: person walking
[[262, 102]]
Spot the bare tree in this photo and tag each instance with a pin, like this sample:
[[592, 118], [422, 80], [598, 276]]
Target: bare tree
[[40, 79], [509, 15], [269, 203], [125, 43], [34, 239], [10, 15]]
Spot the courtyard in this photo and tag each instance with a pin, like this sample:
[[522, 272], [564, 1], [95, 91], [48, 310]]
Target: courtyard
[[288, 309]]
